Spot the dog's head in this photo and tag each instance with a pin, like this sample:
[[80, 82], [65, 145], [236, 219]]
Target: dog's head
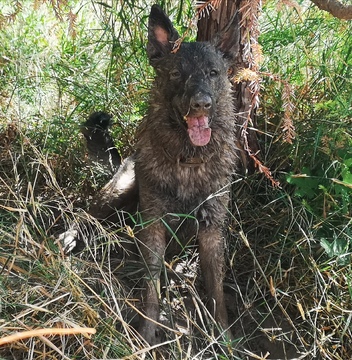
[[192, 79]]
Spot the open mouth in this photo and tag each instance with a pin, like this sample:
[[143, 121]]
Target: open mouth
[[198, 130]]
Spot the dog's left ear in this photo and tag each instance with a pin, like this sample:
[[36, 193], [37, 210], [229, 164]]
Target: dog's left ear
[[161, 34], [228, 41]]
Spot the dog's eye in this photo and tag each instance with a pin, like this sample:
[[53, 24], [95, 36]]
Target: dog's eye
[[175, 74], [214, 73]]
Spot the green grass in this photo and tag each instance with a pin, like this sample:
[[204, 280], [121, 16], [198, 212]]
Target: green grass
[[288, 250]]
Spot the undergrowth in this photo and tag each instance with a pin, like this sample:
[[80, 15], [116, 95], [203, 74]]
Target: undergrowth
[[289, 277]]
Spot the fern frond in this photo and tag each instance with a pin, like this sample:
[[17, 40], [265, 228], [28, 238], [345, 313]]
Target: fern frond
[[204, 8], [289, 107], [290, 3], [257, 163], [72, 23], [246, 74], [257, 53], [57, 7], [250, 11], [10, 18]]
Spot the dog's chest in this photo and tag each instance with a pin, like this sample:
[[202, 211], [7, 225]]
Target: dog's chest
[[187, 183], [171, 181], [181, 188], [190, 196]]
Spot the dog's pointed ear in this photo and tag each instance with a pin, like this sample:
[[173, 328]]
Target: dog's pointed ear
[[161, 34], [228, 41]]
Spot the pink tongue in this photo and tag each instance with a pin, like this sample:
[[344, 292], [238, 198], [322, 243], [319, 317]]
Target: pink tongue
[[199, 131]]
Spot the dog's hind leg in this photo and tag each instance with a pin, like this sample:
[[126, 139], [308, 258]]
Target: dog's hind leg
[[120, 193]]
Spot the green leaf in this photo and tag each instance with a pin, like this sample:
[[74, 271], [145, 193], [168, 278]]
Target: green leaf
[[306, 186]]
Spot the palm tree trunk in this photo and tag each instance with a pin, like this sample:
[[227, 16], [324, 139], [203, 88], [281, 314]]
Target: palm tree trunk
[[208, 28]]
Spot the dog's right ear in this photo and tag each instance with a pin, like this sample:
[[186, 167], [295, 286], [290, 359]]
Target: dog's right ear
[[161, 34]]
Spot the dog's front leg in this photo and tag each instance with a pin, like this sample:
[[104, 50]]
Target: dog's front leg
[[211, 254], [152, 247]]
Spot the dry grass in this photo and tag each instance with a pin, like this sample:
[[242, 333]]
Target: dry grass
[[283, 297], [289, 282], [43, 288]]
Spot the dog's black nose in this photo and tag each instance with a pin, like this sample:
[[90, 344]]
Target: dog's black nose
[[201, 102]]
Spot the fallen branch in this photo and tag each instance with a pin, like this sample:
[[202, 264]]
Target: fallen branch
[[44, 332], [335, 8]]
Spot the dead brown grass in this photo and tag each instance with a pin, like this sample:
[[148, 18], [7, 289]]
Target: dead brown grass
[[286, 300]]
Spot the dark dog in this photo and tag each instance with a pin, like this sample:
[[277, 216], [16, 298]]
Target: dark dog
[[185, 157]]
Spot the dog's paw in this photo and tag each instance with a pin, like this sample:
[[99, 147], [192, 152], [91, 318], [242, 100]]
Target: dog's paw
[[68, 240]]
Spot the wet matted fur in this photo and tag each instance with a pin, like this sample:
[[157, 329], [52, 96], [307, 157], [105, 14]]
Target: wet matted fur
[[184, 161], [185, 157]]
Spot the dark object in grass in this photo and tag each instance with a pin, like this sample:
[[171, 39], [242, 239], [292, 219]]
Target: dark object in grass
[[101, 148]]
